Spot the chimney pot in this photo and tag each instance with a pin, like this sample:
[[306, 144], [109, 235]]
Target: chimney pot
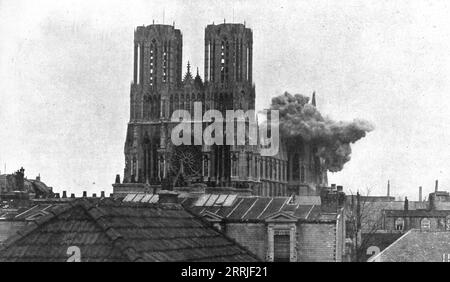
[[420, 193], [94, 195], [84, 194], [333, 186], [57, 195], [102, 194], [436, 186], [111, 195], [72, 195], [340, 188], [64, 195]]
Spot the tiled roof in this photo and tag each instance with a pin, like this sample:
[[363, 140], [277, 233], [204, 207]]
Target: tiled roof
[[417, 246], [256, 208], [108, 230], [249, 208], [378, 239]]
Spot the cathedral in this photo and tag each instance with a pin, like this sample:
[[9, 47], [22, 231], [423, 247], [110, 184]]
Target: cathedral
[[159, 87]]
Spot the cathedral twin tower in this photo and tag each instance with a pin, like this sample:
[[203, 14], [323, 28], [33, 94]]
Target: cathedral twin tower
[[159, 88]]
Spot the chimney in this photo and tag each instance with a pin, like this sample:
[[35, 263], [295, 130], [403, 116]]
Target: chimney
[[340, 188], [436, 186], [64, 195], [420, 193], [57, 195], [389, 189], [84, 194], [313, 100], [406, 204], [72, 195], [111, 195], [117, 178], [102, 194], [167, 197], [358, 211], [94, 195], [38, 178], [331, 199], [333, 187]]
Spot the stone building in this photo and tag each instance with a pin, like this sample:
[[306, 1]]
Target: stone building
[[384, 219], [89, 230], [158, 89], [297, 228], [16, 186]]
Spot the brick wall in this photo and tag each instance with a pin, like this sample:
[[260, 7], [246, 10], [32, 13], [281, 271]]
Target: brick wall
[[316, 242], [253, 236]]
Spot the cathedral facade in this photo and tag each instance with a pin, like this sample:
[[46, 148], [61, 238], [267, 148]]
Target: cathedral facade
[[159, 88]]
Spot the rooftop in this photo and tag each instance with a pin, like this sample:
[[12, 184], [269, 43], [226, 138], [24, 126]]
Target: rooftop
[[417, 246], [231, 207], [108, 230]]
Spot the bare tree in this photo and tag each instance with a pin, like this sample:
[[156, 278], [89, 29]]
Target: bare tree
[[364, 219]]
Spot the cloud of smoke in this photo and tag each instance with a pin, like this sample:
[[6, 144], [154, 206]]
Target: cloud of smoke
[[298, 119]]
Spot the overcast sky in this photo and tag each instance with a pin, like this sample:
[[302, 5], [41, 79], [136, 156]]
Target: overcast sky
[[66, 68]]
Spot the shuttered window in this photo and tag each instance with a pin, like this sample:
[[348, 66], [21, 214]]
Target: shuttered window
[[282, 247]]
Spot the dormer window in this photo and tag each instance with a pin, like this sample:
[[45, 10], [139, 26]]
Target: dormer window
[[399, 224], [425, 224]]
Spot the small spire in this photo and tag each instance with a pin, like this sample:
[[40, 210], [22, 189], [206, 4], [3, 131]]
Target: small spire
[[197, 71], [313, 100], [189, 67]]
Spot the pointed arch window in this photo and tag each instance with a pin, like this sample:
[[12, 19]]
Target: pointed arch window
[[165, 62], [295, 167], [153, 62], [302, 173], [224, 60]]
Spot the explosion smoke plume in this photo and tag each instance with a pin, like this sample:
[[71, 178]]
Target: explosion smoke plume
[[298, 119]]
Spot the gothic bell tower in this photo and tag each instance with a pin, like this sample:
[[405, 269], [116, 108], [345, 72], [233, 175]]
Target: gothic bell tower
[[156, 73]]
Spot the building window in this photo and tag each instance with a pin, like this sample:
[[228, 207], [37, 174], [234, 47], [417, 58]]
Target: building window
[[153, 63], [448, 223], [399, 224], [425, 224], [281, 244], [205, 166], [165, 55], [234, 162], [302, 174], [295, 167]]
